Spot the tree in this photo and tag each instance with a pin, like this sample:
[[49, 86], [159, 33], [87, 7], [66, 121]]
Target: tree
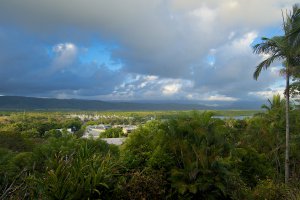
[[275, 121], [294, 40], [112, 133], [274, 104], [281, 48], [294, 30]]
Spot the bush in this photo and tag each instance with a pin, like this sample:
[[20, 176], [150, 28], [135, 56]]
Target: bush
[[252, 166], [71, 168], [147, 184], [267, 189], [112, 133], [15, 142]]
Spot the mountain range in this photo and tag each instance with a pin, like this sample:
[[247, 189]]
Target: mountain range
[[33, 103]]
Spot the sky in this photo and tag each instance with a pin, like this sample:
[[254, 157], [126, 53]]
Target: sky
[[183, 50]]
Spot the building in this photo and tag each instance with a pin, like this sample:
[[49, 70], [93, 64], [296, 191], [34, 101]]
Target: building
[[95, 131], [128, 129]]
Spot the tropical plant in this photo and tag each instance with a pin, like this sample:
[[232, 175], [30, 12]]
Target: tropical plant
[[82, 175], [201, 153], [112, 133], [72, 168], [275, 122], [141, 145], [145, 184], [280, 48]]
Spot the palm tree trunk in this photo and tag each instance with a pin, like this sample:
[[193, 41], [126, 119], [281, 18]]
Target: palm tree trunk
[[287, 128]]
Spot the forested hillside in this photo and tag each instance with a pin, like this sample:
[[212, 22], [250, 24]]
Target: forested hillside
[[31, 103]]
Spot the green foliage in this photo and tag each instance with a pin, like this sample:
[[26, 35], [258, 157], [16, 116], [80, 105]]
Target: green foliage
[[21, 161], [14, 141], [200, 148], [13, 172], [112, 133], [74, 124], [81, 175], [190, 155], [53, 133], [267, 189], [66, 145], [146, 184], [141, 144], [5, 157], [160, 159], [252, 166], [193, 148], [61, 168]]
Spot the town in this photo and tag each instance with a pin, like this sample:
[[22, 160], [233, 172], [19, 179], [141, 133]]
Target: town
[[95, 131]]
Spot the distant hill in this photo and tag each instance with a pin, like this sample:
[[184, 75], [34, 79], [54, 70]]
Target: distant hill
[[32, 103]]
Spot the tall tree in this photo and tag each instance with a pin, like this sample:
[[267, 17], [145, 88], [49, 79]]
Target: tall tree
[[275, 120], [274, 104], [281, 48], [292, 29], [294, 26]]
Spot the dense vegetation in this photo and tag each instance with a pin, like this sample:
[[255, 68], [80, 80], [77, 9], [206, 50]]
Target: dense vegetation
[[284, 48], [189, 156]]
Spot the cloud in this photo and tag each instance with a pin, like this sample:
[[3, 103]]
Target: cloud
[[29, 68], [219, 98], [166, 49], [210, 96], [146, 87], [268, 94], [232, 71], [65, 55], [171, 89]]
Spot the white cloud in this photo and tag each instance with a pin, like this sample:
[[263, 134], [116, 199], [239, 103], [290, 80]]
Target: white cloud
[[233, 4], [151, 78], [205, 17], [151, 87], [231, 35], [65, 55], [244, 44], [210, 96], [171, 89], [220, 98], [268, 94], [62, 48]]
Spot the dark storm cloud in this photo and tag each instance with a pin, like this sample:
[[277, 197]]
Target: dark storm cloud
[[168, 39], [27, 68]]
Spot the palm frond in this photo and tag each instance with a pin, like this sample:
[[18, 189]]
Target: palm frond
[[263, 65], [282, 72], [274, 45], [292, 25], [277, 47], [264, 106]]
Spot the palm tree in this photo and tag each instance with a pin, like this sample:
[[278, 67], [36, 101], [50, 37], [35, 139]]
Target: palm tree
[[274, 117], [274, 104], [281, 48], [294, 22], [294, 40]]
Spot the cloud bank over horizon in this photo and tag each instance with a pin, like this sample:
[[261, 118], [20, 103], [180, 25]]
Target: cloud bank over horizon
[[138, 50]]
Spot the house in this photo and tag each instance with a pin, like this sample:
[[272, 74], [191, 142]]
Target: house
[[95, 130]]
